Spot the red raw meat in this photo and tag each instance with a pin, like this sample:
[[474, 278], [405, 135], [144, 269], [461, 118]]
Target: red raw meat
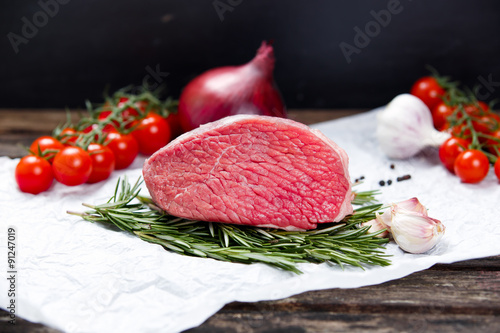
[[254, 170]]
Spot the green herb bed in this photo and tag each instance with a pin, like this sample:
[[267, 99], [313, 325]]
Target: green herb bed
[[344, 243]]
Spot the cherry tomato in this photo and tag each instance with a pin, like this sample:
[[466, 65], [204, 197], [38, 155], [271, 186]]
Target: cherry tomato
[[484, 106], [151, 133], [103, 162], [472, 166], [33, 174], [484, 124], [440, 115], [474, 110], [129, 113], [46, 143], [104, 115], [449, 151], [94, 127], [90, 128], [108, 127], [496, 119], [428, 90], [493, 145], [497, 168], [461, 131], [143, 106], [124, 147], [72, 166], [68, 136], [174, 122]]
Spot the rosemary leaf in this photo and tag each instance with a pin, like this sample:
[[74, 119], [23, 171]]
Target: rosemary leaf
[[340, 244]]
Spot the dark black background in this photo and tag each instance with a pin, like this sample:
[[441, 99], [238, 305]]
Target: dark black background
[[90, 44]]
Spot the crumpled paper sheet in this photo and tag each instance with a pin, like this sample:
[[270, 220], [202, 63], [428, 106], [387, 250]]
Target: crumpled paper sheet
[[77, 276]]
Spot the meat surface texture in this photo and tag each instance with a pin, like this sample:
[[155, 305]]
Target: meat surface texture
[[254, 170]]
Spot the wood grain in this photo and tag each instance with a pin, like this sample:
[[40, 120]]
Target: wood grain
[[20, 127], [458, 297], [464, 296]]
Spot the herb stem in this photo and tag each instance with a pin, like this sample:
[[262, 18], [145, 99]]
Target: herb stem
[[344, 243]]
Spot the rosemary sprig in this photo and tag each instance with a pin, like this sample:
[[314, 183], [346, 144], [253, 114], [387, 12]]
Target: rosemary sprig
[[362, 198], [344, 243]]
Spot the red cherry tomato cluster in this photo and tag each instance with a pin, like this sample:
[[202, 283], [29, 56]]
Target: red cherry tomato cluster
[[429, 90], [109, 139], [475, 128]]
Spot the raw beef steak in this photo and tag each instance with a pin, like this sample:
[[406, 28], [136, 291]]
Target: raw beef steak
[[255, 170]]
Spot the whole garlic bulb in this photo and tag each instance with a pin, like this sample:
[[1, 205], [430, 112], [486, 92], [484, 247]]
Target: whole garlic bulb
[[405, 127]]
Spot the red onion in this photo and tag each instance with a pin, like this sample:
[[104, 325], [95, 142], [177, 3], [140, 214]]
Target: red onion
[[225, 91]]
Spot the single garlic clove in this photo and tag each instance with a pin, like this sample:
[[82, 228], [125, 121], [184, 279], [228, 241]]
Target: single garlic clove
[[411, 204], [377, 224], [405, 127], [416, 232], [385, 218]]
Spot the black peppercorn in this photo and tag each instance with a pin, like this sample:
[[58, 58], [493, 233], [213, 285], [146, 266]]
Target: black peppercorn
[[405, 177]]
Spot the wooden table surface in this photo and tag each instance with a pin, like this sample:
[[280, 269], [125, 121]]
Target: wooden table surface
[[459, 297]]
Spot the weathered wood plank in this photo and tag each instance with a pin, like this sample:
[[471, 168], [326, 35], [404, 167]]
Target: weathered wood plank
[[433, 292], [445, 298], [463, 296], [22, 326], [21, 127], [22, 121], [436, 300], [44, 121], [281, 322], [484, 264]]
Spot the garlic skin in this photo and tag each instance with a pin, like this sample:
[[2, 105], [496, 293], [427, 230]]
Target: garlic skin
[[415, 232], [411, 204], [405, 127], [376, 225], [410, 226]]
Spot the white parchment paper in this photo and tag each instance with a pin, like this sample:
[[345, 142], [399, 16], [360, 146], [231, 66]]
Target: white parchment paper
[[77, 276]]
